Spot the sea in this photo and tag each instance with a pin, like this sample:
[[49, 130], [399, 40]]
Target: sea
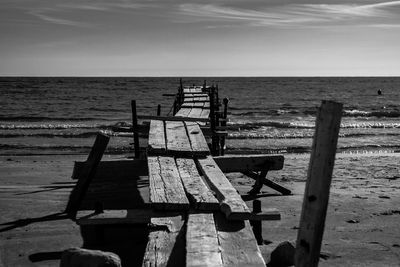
[[62, 115]]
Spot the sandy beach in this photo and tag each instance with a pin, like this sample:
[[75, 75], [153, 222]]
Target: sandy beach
[[361, 226]]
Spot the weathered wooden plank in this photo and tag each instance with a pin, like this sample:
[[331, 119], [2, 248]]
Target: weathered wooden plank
[[205, 112], [87, 174], [197, 104], [169, 118], [183, 112], [187, 105], [231, 203], [156, 141], [200, 94], [114, 168], [202, 247], [130, 216], [316, 195], [197, 140], [177, 138], [166, 189], [237, 242], [240, 163], [199, 194], [195, 113], [166, 245]]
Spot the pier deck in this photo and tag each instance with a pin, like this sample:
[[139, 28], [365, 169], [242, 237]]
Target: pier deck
[[190, 204]]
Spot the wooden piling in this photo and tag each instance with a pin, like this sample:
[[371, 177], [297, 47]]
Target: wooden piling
[[158, 110], [316, 195], [257, 224], [223, 124], [212, 121], [86, 175], [135, 129]]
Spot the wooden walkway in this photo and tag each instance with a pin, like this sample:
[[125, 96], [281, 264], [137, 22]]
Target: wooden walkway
[[190, 201]]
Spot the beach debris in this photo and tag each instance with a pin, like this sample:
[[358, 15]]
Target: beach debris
[[90, 258], [283, 254], [383, 196], [390, 212], [352, 221], [360, 197]]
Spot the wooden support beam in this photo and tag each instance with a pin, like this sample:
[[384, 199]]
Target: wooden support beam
[[231, 203], [86, 174], [169, 118], [135, 129], [114, 168], [202, 247], [269, 183], [240, 163], [237, 242], [166, 189], [198, 193], [316, 195]]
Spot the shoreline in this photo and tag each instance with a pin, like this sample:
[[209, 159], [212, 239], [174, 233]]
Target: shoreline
[[361, 227]]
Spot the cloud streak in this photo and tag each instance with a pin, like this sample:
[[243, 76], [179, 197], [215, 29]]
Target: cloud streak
[[293, 15]]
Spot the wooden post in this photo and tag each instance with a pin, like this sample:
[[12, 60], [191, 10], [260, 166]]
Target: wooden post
[[204, 84], [175, 108], [257, 224], [158, 110], [316, 195], [86, 175], [223, 124], [135, 129], [180, 99], [212, 121]]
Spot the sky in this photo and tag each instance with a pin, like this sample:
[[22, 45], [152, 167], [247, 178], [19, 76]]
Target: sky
[[199, 38]]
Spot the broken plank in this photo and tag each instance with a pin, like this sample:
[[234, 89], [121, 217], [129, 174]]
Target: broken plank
[[240, 163], [166, 245], [237, 242], [177, 138], [157, 137], [197, 191], [202, 247], [231, 203], [166, 189], [197, 140], [86, 175]]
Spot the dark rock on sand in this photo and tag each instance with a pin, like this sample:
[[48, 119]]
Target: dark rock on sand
[[76, 257]]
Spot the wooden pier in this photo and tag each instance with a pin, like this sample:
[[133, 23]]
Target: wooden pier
[[178, 188]]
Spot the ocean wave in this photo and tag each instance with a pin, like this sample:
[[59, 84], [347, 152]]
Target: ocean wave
[[63, 148], [297, 135], [49, 135], [379, 114], [44, 118], [234, 126], [48, 126]]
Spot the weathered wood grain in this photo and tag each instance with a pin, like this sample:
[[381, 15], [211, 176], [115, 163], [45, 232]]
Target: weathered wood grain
[[316, 195], [169, 118], [157, 142], [177, 138], [197, 140], [199, 194], [202, 247], [237, 242], [183, 112], [231, 203], [166, 189], [166, 245], [195, 113]]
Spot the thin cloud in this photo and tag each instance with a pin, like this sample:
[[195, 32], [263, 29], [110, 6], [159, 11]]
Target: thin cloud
[[291, 14], [41, 14]]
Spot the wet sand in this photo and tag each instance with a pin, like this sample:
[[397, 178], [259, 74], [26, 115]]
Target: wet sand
[[362, 227]]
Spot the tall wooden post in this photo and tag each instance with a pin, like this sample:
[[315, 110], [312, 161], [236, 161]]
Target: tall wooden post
[[135, 129], [212, 121], [316, 195], [223, 124]]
